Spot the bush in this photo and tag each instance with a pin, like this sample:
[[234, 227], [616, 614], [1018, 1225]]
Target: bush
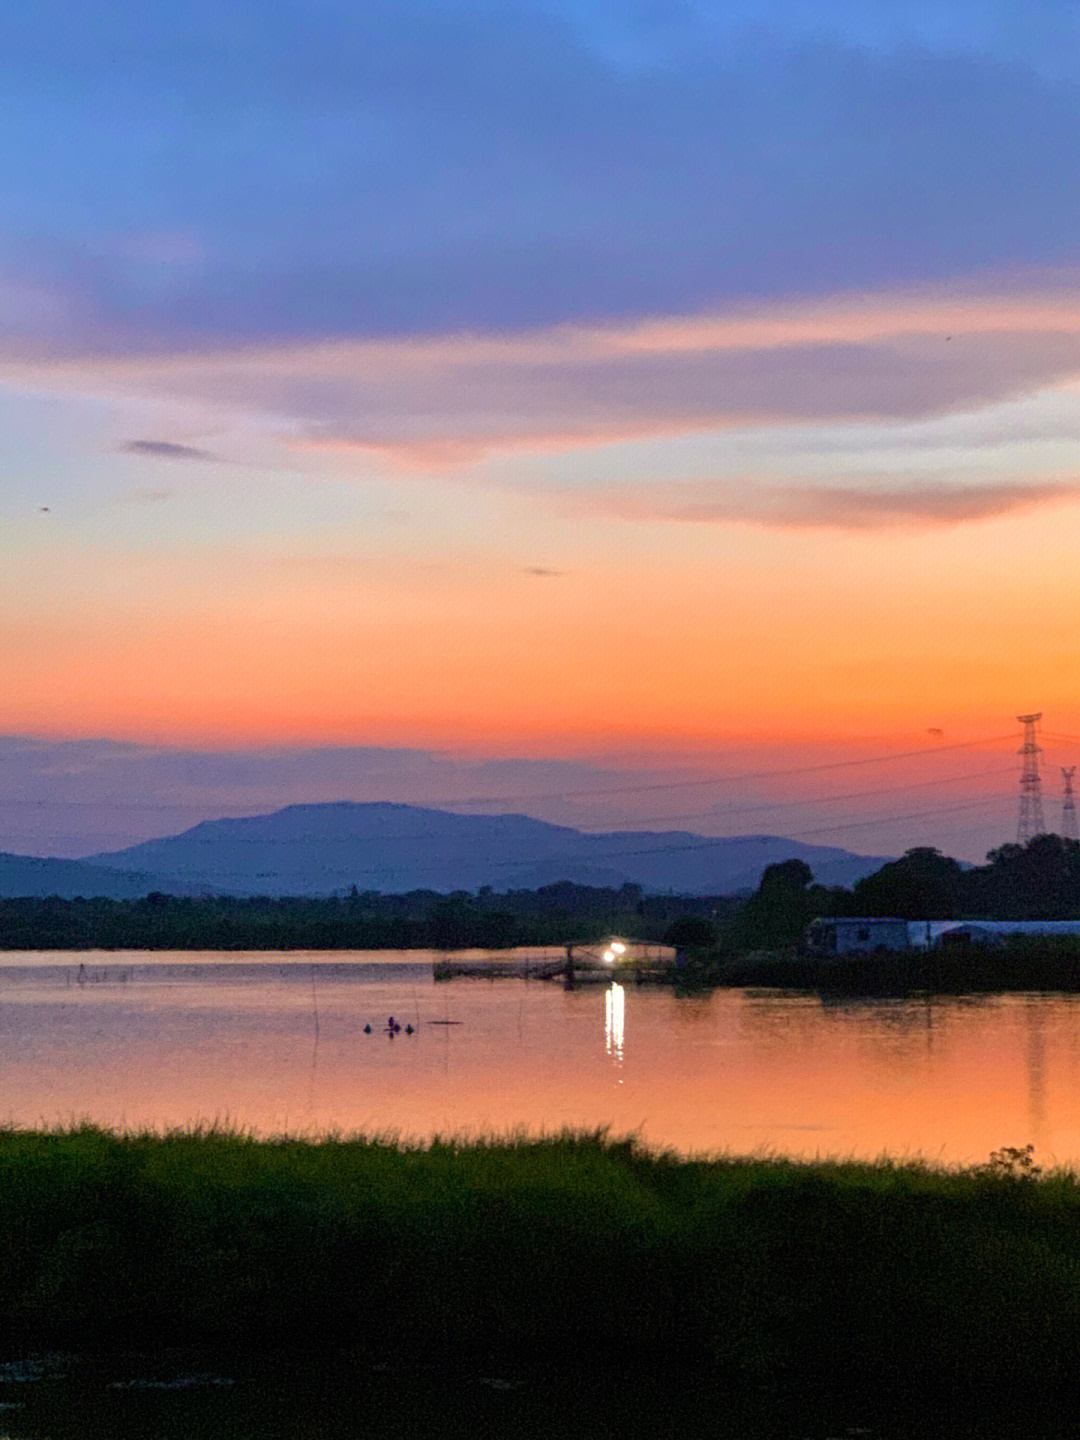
[[691, 932]]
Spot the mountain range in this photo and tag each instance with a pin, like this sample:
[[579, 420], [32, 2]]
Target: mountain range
[[34, 875], [326, 849]]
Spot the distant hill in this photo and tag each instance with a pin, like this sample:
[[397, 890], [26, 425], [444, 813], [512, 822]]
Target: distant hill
[[29, 875], [324, 849]]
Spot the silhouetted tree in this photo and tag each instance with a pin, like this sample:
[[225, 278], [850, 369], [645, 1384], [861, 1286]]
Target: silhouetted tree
[[690, 932], [780, 908], [922, 885], [1036, 881]]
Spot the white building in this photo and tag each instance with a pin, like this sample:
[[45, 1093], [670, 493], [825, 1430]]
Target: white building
[[925, 933], [854, 935], [859, 935]]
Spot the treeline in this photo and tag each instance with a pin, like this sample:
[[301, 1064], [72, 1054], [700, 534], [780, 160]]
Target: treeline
[[361, 920], [1036, 881]]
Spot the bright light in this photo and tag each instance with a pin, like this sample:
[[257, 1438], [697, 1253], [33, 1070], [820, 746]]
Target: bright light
[[615, 1023], [618, 947], [608, 957]]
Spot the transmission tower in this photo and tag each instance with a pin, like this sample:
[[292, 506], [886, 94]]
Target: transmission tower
[[1031, 811], [1068, 805]]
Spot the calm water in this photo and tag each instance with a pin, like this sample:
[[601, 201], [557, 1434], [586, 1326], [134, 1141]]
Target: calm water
[[276, 1043]]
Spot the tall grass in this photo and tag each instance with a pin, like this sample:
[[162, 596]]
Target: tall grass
[[566, 1250]]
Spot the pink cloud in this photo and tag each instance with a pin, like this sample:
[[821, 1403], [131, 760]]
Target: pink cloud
[[450, 401], [900, 505]]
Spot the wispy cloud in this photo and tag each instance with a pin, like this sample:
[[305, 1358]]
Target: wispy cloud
[[910, 505], [438, 402], [147, 497], [165, 450]]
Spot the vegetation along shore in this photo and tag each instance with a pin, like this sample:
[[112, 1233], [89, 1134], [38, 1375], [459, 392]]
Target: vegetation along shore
[[550, 1252], [753, 939]]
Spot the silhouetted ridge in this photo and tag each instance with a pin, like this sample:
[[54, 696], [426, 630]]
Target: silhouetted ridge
[[327, 848], [33, 875]]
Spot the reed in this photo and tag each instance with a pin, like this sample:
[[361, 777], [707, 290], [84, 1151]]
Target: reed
[[562, 1250]]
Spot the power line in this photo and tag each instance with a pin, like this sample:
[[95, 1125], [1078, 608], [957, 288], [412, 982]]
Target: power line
[[733, 778], [711, 841], [418, 836], [518, 799], [708, 843], [817, 799], [697, 845], [822, 829], [895, 819]]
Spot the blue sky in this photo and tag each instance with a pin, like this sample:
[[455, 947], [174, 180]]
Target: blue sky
[[202, 171]]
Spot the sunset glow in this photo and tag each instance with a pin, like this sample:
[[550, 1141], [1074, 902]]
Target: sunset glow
[[524, 455]]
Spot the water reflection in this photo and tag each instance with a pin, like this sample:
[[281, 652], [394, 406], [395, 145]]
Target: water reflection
[[614, 1022], [1036, 1069], [279, 1044]]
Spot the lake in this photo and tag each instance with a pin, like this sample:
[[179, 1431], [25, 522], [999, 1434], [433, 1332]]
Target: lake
[[276, 1044]]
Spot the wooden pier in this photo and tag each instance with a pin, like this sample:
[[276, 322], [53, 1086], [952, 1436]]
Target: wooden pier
[[631, 962]]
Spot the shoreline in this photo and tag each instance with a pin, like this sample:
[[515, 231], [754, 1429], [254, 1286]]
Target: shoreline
[[1027, 965]]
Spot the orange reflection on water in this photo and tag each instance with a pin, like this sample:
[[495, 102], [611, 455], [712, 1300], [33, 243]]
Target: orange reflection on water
[[275, 1044]]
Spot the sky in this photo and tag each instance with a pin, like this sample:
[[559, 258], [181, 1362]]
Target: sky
[[635, 415]]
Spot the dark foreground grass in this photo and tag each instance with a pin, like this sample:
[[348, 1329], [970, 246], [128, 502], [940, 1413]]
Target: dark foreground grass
[[554, 1252]]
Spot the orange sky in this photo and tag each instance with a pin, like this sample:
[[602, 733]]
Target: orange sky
[[696, 577], [695, 633]]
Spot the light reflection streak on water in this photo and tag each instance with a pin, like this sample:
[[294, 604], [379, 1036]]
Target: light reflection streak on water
[[614, 1022]]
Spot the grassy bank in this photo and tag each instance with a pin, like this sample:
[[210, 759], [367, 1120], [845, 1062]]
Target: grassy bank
[[1021, 964], [552, 1252]]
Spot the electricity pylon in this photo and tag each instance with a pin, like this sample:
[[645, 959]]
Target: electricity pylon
[[1068, 805], [1031, 820]]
